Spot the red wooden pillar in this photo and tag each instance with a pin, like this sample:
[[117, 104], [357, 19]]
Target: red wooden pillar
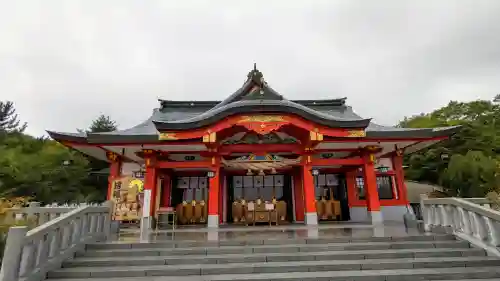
[[352, 192], [222, 180], [371, 189], [397, 165], [213, 196], [298, 195], [311, 217], [115, 168], [150, 188]]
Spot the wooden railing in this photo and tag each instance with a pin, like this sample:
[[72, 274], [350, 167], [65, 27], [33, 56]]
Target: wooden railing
[[29, 255], [477, 224]]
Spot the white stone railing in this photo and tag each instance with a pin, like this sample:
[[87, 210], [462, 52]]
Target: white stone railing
[[29, 255], [477, 224], [38, 215]]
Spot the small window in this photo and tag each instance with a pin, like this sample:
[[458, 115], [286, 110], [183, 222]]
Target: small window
[[324, 186], [193, 188], [384, 185], [360, 184]]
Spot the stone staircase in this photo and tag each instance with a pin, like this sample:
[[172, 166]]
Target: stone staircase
[[435, 257]]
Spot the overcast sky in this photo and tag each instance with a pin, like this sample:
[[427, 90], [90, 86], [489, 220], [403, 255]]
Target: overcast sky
[[65, 62]]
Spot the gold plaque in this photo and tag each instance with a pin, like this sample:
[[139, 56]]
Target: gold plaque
[[210, 137], [356, 134], [312, 135], [206, 138], [167, 136], [262, 118]]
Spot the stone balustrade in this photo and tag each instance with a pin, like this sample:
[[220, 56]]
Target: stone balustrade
[[37, 214], [476, 223], [29, 255]]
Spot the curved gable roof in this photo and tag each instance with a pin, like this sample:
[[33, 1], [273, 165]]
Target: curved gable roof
[[257, 96]]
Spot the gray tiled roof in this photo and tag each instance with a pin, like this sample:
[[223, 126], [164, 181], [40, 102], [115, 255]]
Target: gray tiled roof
[[253, 97]]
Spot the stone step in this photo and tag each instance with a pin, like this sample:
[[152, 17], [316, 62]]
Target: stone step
[[274, 257], [463, 270], [359, 278], [287, 248], [254, 242]]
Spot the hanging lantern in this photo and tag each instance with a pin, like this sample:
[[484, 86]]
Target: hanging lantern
[[273, 171], [261, 173], [383, 169], [249, 172]]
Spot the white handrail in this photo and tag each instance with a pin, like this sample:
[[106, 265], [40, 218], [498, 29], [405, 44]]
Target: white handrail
[[29, 255], [478, 224]]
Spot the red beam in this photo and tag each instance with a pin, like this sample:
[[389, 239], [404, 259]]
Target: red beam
[[183, 164], [256, 148], [125, 144], [337, 161], [340, 140], [120, 154]]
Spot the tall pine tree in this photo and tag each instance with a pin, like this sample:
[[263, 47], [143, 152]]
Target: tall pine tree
[[103, 123], [9, 120]]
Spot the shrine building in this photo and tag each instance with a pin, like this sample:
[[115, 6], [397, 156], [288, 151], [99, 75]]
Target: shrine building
[[257, 157]]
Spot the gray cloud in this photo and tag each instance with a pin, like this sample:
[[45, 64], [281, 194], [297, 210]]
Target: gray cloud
[[64, 62]]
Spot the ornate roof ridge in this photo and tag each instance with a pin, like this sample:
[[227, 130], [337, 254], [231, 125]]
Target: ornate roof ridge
[[189, 103]]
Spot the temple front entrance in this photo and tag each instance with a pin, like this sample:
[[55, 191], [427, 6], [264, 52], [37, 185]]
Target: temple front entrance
[[260, 199], [331, 197], [248, 198]]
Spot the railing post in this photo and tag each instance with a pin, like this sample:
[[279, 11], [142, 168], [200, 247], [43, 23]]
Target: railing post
[[31, 213], [424, 210], [108, 219], [465, 220], [493, 238], [12, 254]]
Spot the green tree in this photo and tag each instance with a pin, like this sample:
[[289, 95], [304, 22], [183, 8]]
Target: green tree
[[43, 169], [9, 120], [102, 123], [480, 121], [471, 175]]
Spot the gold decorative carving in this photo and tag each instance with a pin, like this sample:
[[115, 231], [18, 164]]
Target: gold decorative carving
[[262, 118], [111, 156], [372, 148], [167, 136], [210, 137], [356, 134], [206, 138], [372, 157], [315, 136], [312, 135]]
